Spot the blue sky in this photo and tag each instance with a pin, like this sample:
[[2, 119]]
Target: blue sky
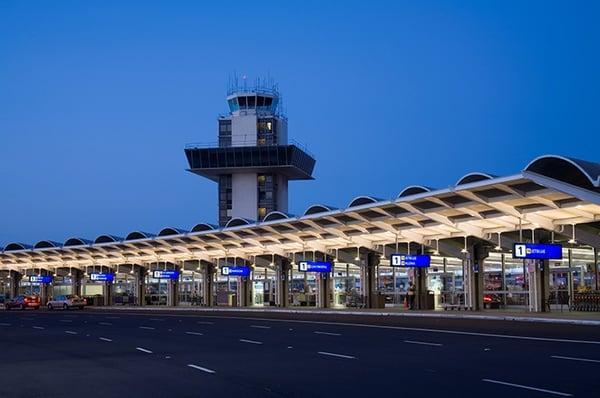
[[99, 98]]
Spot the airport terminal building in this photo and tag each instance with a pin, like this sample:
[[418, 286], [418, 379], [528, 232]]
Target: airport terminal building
[[525, 241]]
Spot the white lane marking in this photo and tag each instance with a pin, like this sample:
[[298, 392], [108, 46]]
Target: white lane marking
[[194, 333], [423, 343], [562, 394], [364, 325], [201, 368], [70, 332], [443, 331], [204, 322], [105, 323], [65, 320], [331, 354], [143, 350], [250, 341], [4, 324], [112, 317], [155, 319], [260, 327], [104, 339], [39, 327], [575, 359], [147, 327], [328, 333]]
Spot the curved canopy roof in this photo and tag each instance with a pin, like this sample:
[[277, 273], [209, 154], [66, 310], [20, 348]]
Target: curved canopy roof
[[13, 246], [276, 215], [550, 193], [46, 244], [413, 190], [201, 227], [139, 235], [171, 231], [75, 241], [572, 171], [107, 239], [363, 200], [316, 209], [474, 177], [237, 222]]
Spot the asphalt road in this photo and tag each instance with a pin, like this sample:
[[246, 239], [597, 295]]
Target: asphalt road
[[165, 354]]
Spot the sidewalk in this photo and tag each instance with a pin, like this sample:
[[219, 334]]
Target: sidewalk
[[574, 318]]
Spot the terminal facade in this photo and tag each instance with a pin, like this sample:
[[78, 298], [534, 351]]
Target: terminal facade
[[259, 255]]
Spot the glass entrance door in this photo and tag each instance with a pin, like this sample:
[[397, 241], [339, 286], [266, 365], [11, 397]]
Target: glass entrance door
[[156, 291]]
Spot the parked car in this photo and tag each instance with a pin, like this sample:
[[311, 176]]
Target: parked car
[[66, 302], [22, 302]]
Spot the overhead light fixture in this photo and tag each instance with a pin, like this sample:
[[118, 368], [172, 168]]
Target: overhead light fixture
[[436, 252], [464, 249], [499, 245], [572, 240], [357, 258]]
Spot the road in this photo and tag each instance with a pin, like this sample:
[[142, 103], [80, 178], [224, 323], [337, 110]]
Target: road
[[112, 353]]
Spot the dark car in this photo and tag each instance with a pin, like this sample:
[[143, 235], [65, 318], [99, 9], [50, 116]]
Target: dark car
[[22, 302]]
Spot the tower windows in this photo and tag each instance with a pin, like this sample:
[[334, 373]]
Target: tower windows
[[267, 195], [224, 133], [225, 198], [266, 133]]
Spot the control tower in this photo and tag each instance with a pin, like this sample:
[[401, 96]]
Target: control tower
[[252, 161]]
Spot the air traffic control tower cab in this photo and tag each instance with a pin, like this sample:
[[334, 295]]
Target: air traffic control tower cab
[[252, 161]]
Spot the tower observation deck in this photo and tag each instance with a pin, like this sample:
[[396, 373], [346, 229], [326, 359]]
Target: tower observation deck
[[252, 160]]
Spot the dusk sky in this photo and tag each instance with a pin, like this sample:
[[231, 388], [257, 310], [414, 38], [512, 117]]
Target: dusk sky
[[98, 100]]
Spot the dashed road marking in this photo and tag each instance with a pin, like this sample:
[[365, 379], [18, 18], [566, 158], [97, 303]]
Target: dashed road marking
[[4, 324], [105, 323], [194, 333], [70, 332], [65, 320], [250, 341], [328, 333], [204, 322], [423, 343], [575, 359], [260, 327], [156, 319], [143, 350], [104, 339], [147, 327], [504, 383], [39, 327], [331, 354], [201, 368]]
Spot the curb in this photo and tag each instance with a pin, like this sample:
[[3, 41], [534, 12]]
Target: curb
[[513, 318]]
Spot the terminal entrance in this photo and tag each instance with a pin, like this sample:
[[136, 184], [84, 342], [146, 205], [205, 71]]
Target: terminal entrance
[[190, 288], [347, 286], [124, 289], [157, 291], [263, 286]]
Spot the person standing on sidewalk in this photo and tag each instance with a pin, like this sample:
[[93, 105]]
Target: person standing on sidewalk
[[411, 296]]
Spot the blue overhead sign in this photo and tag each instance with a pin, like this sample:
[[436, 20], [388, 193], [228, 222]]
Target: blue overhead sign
[[314, 266], [101, 277], [241, 270], [165, 274], [410, 260], [41, 279], [537, 251]]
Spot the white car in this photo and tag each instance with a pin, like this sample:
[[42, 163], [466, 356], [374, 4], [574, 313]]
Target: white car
[[66, 302]]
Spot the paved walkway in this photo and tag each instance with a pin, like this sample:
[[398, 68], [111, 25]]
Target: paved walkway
[[566, 317]]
